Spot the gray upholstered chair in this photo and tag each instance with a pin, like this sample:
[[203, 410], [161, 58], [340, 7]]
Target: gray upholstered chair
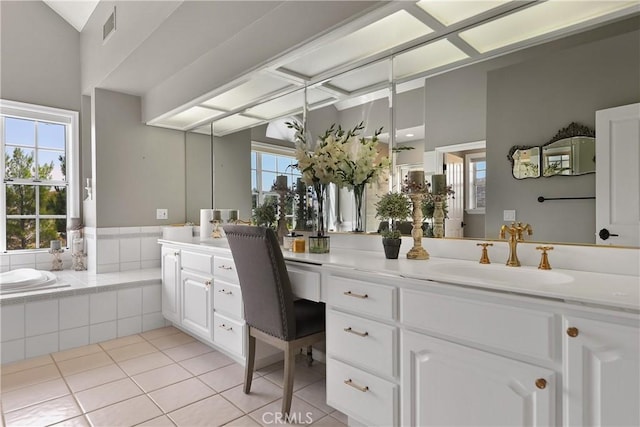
[[270, 311]]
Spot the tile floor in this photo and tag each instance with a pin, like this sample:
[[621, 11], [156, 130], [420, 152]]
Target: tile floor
[[162, 377]]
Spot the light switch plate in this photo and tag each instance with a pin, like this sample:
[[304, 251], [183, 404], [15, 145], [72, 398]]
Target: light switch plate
[[162, 213], [509, 215]]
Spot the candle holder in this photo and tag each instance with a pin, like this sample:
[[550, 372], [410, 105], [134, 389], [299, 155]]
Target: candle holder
[[78, 263], [417, 251], [416, 189], [438, 218], [282, 222], [56, 261], [216, 233]]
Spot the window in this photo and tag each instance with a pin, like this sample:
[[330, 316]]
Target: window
[[39, 166], [266, 164], [476, 182]]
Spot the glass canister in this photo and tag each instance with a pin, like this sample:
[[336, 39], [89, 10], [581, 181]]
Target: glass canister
[[299, 244], [287, 241]]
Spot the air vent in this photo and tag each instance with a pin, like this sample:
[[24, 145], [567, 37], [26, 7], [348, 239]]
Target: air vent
[[109, 26]]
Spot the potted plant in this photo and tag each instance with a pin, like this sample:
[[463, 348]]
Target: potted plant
[[265, 214], [392, 207]]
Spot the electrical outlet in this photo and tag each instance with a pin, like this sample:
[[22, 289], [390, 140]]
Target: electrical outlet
[[509, 215], [162, 213]]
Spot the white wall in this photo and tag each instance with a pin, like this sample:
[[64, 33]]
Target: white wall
[[232, 172]]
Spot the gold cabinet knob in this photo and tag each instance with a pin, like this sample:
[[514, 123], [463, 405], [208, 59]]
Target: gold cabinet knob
[[572, 332], [541, 383]]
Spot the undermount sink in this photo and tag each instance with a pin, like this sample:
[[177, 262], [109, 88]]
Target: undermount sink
[[500, 274]]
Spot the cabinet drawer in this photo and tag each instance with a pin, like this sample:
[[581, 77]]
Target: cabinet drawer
[[362, 342], [362, 297], [197, 262], [363, 396], [229, 333], [304, 283], [224, 267], [227, 298], [515, 329]]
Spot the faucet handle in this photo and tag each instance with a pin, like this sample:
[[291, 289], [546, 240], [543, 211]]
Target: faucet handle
[[544, 259], [484, 259]]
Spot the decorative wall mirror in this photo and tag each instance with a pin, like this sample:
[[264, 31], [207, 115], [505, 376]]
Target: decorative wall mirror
[[571, 152], [525, 161]]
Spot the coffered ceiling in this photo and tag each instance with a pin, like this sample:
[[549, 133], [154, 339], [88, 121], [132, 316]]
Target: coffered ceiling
[[404, 42]]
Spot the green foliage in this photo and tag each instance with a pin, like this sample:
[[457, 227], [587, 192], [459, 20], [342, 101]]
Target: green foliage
[[393, 207], [265, 214], [21, 200]]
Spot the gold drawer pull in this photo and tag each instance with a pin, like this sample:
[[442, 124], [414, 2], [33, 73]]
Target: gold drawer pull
[[224, 267], [541, 383], [225, 327], [222, 291], [572, 332], [350, 294], [360, 334], [356, 386]]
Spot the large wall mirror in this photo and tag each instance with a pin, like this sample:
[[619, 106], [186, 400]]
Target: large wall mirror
[[501, 101]]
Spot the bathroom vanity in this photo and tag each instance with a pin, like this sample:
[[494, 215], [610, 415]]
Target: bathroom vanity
[[440, 342]]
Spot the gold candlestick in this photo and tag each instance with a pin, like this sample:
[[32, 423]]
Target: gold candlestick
[[417, 251]]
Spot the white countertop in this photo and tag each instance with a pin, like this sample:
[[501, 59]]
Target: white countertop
[[600, 289]]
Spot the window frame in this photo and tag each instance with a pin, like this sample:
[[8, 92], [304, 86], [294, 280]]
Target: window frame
[[69, 119], [471, 181]]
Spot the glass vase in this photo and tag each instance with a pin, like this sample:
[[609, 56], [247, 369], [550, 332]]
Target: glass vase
[[358, 195], [319, 243]]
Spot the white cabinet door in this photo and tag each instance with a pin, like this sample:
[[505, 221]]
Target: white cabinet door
[[170, 284], [618, 176], [602, 373], [196, 304], [446, 384]]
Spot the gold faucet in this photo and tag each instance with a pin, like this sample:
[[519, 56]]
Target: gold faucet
[[516, 231]]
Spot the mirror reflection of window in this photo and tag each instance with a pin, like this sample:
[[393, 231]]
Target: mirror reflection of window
[[476, 182]]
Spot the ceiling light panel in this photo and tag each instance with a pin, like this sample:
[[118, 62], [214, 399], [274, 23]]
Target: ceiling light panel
[[288, 103], [188, 117], [393, 30], [362, 77], [427, 57], [232, 123], [250, 91], [451, 12], [537, 20]]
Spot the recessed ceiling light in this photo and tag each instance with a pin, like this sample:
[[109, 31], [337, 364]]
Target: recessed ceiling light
[[537, 20], [386, 33], [450, 12], [427, 57]]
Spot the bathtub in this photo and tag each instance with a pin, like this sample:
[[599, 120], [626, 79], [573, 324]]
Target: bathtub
[[28, 279]]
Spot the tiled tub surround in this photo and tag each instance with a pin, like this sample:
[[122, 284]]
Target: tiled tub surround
[[95, 308], [122, 248], [162, 377]]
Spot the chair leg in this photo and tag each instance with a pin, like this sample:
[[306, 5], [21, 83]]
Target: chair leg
[[309, 355], [248, 369], [289, 370]]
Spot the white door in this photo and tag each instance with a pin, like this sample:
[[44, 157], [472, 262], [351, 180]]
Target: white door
[[618, 176], [602, 374], [170, 284], [455, 203], [446, 384], [196, 304]]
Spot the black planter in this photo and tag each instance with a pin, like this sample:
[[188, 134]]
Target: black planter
[[391, 247]]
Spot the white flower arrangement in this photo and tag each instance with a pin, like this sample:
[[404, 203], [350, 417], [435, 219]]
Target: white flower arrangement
[[358, 165]]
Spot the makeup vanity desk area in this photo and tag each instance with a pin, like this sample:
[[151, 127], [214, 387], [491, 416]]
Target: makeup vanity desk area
[[443, 341]]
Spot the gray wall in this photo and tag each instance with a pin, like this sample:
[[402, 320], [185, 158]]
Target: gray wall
[[232, 172], [138, 168], [40, 58], [199, 194], [528, 103]]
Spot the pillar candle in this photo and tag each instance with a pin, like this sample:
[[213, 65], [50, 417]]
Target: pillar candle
[[281, 182], [233, 215], [217, 215], [55, 245], [438, 183], [416, 177]]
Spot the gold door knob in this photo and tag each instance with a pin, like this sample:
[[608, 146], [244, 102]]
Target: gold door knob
[[541, 383], [572, 332]]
